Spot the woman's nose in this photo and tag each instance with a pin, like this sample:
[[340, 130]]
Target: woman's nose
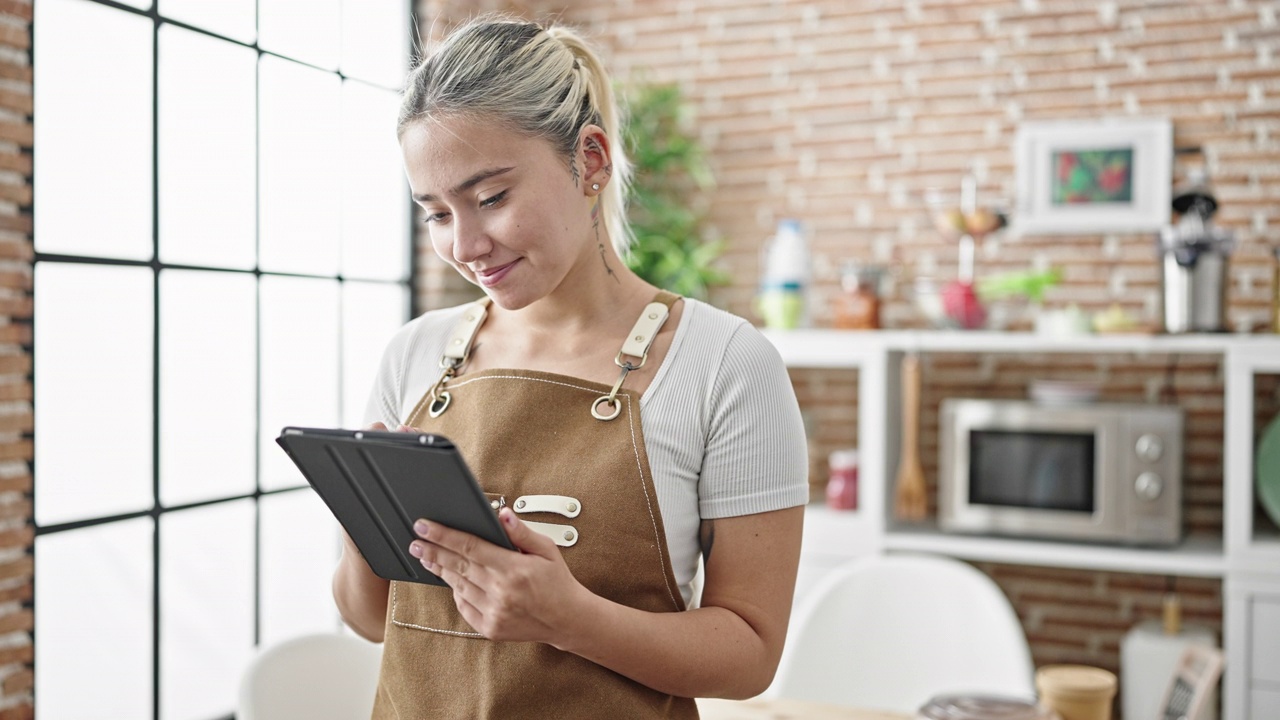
[[470, 242]]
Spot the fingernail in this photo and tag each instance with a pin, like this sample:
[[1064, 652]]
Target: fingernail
[[509, 518], [421, 527], [415, 550]]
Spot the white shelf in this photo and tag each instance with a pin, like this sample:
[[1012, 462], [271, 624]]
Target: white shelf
[[1196, 556], [846, 348]]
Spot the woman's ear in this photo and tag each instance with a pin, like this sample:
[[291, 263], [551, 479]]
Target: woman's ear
[[594, 153]]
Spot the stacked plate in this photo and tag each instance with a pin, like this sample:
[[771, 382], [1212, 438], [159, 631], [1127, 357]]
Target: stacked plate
[[1063, 392]]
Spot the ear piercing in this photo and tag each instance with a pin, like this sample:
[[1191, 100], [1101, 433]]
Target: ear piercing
[[595, 186]]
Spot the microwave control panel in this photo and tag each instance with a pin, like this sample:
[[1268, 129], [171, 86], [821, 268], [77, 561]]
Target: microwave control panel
[[1154, 472]]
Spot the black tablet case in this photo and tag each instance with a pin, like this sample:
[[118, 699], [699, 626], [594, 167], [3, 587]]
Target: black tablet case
[[378, 483]]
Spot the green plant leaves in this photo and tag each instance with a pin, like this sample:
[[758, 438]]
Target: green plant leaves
[[664, 206]]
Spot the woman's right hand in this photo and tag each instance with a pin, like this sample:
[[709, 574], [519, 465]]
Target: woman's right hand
[[360, 594]]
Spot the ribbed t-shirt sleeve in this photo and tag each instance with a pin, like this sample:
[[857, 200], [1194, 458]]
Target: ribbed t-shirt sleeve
[[756, 457], [384, 398]]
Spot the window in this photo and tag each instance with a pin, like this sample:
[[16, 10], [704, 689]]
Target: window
[[222, 236]]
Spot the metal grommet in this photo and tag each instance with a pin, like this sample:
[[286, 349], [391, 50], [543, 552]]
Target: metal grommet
[[653, 316], [519, 504], [568, 535], [495, 504], [595, 407], [438, 405], [571, 507]]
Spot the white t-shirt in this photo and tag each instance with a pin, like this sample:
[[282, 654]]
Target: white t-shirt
[[721, 425]]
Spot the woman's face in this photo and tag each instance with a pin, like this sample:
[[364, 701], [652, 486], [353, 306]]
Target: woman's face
[[502, 208]]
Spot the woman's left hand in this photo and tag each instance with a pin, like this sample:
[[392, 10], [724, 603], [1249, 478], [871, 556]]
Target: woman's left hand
[[521, 596]]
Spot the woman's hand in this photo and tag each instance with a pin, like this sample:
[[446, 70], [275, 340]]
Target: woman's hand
[[522, 596]]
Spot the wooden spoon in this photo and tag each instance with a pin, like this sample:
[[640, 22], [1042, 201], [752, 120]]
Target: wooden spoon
[[911, 502]]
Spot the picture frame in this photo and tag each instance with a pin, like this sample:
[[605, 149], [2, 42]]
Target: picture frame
[[1093, 176]]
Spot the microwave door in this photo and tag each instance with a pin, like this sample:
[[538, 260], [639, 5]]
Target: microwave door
[[1034, 481]]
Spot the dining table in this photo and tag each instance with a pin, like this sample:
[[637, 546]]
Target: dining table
[[785, 709]]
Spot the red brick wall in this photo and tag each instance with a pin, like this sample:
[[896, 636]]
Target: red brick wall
[[16, 420], [843, 114]]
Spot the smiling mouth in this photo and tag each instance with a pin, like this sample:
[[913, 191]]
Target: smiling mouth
[[492, 276]]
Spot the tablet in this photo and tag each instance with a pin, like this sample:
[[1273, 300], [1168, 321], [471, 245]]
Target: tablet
[[377, 483]]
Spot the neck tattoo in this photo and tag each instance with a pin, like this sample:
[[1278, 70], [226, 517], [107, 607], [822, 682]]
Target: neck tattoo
[[595, 225]]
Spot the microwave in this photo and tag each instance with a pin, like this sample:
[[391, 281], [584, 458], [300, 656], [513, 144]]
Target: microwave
[[1102, 472]]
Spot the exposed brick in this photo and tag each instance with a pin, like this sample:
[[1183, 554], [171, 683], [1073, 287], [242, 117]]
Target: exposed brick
[[21, 133], [22, 654], [16, 621], [19, 682], [21, 568], [19, 450], [13, 161], [17, 593], [21, 483], [24, 711], [10, 71], [15, 364]]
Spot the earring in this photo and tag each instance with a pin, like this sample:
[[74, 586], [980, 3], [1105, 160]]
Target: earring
[[595, 186]]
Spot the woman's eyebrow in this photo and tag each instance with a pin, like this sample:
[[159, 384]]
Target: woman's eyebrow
[[468, 183]]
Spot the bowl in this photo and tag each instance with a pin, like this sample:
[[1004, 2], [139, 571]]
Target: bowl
[[1063, 392]]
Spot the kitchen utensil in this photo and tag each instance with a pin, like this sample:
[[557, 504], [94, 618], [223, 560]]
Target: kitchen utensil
[[911, 502], [1193, 264], [1267, 467]]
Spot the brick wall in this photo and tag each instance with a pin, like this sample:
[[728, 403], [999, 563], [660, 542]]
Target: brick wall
[[844, 114], [16, 420]]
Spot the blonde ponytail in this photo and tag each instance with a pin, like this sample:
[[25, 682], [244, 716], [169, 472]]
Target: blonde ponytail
[[545, 83]]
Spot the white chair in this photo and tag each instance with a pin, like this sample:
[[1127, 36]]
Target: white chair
[[316, 677], [891, 631]]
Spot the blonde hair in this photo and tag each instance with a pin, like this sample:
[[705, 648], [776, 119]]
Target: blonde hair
[[543, 82]]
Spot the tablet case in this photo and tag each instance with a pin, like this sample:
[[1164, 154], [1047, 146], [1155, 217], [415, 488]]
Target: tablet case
[[377, 483]]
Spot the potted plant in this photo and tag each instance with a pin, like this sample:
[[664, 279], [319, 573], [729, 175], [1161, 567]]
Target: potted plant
[[664, 204]]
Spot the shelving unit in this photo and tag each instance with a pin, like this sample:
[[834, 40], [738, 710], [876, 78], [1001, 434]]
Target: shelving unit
[[1194, 557], [1247, 558]]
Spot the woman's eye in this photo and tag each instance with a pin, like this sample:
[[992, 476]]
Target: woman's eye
[[495, 200], [435, 217]]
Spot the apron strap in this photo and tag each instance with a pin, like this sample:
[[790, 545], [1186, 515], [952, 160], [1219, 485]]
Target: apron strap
[[456, 351], [637, 345], [458, 346]]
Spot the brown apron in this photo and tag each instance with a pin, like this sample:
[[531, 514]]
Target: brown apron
[[534, 444]]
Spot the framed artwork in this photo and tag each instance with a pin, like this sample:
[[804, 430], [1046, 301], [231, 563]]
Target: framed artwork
[[1093, 176]]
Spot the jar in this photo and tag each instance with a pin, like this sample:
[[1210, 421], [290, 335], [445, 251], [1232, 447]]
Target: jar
[[842, 480], [857, 307], [1077, 692]]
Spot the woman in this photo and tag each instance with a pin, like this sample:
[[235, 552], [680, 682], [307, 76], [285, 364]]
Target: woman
[[614, 469]]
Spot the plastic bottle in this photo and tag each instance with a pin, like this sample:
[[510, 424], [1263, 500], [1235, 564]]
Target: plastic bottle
[[784, 288]]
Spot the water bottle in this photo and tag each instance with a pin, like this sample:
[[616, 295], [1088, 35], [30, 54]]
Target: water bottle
[[784, 288]]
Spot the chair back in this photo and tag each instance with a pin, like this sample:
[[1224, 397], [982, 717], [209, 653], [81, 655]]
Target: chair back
[[891, 631], [317, 677]]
